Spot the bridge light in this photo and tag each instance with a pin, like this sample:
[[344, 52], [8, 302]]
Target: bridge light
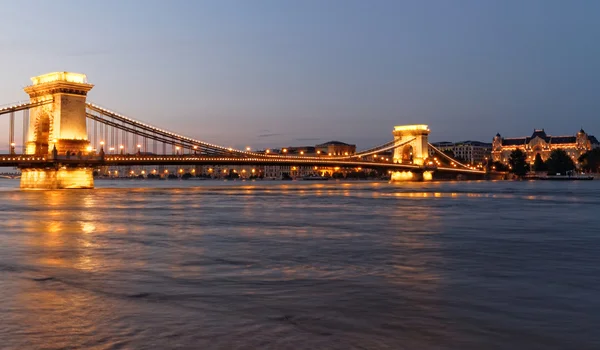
[[285, 150], [267, 151], [318, 152], [345, 153], [143, 172], [89, 148], [253, 171], [101, 143], [166, 171], [121, 147], [301, 152], [139, 146], [195, 147], [248, 149]]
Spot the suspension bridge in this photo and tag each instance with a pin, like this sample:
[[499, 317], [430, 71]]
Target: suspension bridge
[[65, 137]]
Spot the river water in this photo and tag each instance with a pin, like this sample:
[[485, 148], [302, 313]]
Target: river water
[[301, 265]]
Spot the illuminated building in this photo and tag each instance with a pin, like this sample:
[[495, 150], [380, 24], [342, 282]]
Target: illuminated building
[[336, 148], [472, 152], [541, 143]]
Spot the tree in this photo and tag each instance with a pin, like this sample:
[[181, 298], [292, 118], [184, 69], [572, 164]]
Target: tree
[[518, 163], [498, 166], [590, 160], [559, 162], [538, 164]]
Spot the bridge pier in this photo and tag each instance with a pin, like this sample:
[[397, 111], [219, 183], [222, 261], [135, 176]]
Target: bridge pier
[[398, 176], [55, 179]]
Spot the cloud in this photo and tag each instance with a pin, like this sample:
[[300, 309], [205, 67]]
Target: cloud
[[269, 135], [308, 139]]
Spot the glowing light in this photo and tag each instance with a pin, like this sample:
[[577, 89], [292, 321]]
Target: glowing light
[[89, 148], [285, 150], [402, 176], [60, 76], [416, 127], [248, 148]]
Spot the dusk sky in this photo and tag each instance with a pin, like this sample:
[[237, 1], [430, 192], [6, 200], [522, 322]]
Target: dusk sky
[[286, 73]]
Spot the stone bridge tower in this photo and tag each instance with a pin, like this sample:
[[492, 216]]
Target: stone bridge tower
[[61, 121], [417, 149], [58, 121]]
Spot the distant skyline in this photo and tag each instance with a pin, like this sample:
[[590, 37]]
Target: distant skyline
[[287, 73]]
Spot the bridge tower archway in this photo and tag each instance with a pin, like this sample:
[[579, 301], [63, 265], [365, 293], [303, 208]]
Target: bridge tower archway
[[60, 118], [416, 149]]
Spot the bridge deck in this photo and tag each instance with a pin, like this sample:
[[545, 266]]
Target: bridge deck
[[25, 161]]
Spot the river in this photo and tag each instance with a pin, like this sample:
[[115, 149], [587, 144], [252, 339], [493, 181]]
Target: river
[[301, 265]]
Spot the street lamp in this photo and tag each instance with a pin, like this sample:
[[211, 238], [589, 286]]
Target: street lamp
[[111, 150], [121, 148], [12, 148], [248, 149], [177, 149]]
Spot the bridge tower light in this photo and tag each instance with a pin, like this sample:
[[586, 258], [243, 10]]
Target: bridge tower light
[[121, 148]]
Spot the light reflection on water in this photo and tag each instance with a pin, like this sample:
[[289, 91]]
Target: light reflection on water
[[167, 264]]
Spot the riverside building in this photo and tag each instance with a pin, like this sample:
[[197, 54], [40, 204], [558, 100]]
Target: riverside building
[[543, 144]]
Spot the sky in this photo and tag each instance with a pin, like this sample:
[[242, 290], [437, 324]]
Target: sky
[[269, 73]]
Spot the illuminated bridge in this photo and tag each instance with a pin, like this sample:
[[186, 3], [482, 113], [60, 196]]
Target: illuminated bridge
[[65, 138]]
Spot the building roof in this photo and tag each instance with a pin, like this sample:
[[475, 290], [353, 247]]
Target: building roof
[[476, 143], [539, 133], [469, 142], [334, 143]]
